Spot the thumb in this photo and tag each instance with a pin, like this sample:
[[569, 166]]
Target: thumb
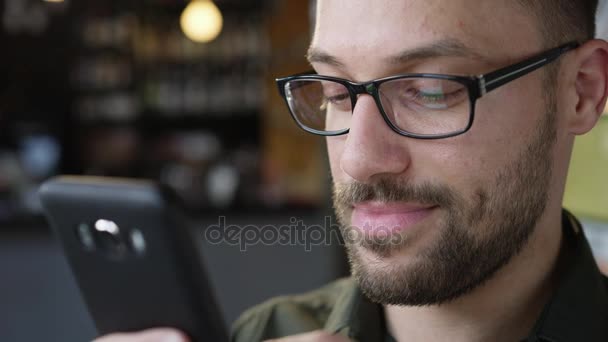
[[314, 336], [150, 335]]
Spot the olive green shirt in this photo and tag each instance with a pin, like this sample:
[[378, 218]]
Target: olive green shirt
[[577, 311]]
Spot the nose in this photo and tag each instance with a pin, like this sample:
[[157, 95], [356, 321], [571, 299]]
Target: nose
[[372, 148]]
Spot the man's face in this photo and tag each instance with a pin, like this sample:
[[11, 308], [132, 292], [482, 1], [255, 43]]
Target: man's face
[[453, 210]]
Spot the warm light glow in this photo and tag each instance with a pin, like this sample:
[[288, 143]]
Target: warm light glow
[[53, 0], [201, 21]]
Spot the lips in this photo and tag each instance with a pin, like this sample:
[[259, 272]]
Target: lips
[[386, 218]]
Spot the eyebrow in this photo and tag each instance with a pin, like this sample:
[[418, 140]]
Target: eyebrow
[[441, 48], [315, 55]]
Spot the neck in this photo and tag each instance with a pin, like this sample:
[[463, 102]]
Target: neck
[[505, 308]]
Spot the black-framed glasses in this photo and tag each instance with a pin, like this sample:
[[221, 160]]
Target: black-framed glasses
[[422, 106]]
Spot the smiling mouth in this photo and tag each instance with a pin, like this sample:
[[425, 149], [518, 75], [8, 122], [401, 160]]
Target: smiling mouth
[[386, 218]]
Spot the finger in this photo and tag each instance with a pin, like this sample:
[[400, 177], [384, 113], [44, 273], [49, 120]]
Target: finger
[[314, 336], [150, 335]]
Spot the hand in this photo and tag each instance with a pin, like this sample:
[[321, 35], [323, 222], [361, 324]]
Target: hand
[[151, 335], [315, 336]]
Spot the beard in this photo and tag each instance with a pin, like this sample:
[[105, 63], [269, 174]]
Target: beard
[[475, 237]]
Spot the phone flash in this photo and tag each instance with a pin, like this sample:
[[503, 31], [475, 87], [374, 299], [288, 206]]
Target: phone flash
[[138, 242]]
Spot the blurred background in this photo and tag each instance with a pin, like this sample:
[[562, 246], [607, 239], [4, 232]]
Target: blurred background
[[181, 92]]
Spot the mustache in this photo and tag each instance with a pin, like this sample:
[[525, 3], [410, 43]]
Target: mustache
[[391, 190]]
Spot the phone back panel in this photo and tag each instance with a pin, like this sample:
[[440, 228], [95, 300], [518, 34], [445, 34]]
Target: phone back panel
[[133, 256]]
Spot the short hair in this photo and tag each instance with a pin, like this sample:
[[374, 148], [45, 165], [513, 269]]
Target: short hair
[[562, 21], [559, 21]]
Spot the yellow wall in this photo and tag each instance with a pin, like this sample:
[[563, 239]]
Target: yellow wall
[[587, 187]]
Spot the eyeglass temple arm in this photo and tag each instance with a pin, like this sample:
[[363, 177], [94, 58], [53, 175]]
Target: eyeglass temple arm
[[495, 79]]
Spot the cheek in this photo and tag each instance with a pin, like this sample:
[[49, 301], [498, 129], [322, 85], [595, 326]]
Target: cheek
[[510, 114], [466, 163], [505, 122], [335, 147], [452, 162]]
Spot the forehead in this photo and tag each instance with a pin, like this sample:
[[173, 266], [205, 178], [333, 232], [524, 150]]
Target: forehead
[[364, 31]]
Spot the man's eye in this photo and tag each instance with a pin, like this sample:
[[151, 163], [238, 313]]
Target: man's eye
[[432, 97], [436, 98], [337, 99]]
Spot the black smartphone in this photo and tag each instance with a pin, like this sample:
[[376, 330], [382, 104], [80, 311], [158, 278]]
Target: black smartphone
[[133, 254]]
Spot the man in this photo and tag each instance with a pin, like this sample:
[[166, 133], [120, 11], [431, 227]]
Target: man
[[449, 189]]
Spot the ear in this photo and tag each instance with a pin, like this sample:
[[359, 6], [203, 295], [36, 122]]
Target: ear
[[591, 85]]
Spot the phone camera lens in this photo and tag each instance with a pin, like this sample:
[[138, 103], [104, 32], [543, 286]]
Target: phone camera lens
[[109, 238]]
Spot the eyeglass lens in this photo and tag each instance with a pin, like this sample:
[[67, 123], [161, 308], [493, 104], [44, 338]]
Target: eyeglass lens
[[428, 106]]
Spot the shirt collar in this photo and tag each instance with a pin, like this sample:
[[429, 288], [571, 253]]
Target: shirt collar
[[578, 310], [355, 316]]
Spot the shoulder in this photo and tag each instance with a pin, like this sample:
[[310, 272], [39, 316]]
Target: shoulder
[[289, 315]]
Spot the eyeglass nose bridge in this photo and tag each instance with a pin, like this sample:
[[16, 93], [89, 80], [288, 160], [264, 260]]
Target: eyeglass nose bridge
[[369, 88]]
